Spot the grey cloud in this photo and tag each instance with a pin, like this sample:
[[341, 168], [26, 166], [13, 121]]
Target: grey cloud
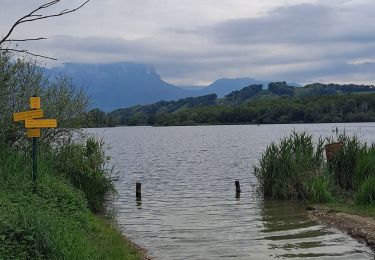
[[303, 23], [298, 63], [295, 43]]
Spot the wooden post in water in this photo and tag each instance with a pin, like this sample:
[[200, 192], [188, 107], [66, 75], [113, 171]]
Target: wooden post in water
[[138, 190], [238, 188]]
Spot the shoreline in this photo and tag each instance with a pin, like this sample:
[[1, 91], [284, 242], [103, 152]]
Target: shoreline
[[233, 124], [361, 228], [121, 235], [141, 250]]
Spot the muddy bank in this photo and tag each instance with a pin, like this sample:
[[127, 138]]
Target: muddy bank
[[359, 227]]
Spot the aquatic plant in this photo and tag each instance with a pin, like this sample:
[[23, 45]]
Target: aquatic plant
[[288, 169], [365, 166], [320, 188], [344, 162], [366, 192]]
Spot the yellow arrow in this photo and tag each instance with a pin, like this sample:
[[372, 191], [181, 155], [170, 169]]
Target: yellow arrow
[[41, 123], [20, 116]]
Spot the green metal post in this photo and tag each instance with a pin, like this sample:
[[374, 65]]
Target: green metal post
[[35, 159]]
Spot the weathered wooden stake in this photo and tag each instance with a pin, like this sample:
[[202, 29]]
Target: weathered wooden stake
[[238, 188], [138, 190]]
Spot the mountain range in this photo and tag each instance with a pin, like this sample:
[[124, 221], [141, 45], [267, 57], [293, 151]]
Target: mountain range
[[124, 84]]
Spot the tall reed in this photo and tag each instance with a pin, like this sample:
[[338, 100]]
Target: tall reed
[[344, 162], [365, 195], [288, 169]]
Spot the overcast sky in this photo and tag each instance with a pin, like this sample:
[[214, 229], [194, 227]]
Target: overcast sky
[[197, 41]]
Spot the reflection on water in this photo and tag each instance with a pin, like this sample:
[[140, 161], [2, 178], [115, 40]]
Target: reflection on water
[[291, 234], [189, 208]]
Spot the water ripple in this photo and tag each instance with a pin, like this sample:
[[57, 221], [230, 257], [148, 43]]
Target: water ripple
[[189, 209]]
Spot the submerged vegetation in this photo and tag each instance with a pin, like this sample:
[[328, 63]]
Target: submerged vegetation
[[296, 168]]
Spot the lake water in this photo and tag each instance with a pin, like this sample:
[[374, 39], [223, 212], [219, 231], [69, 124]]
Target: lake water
[[189, 209]]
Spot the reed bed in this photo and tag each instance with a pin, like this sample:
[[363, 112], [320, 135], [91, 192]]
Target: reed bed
[[297, 168]]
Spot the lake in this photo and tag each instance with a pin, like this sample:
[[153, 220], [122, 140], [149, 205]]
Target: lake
[[189, 209]]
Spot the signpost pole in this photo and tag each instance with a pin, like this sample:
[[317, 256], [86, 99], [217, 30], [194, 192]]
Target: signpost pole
[[35, 159], [35, 146]]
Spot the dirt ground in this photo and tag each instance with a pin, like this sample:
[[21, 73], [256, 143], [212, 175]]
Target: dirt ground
[[359, 227]]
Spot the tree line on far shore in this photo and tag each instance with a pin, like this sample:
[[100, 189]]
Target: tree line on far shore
[[279, 104]]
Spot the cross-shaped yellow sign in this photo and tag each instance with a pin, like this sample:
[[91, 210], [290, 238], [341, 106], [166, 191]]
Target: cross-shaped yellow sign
[[32, 118]]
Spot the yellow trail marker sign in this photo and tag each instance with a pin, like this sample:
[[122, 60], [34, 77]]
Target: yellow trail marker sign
[[33, 133], [33, 123], [32, 114], [41, 123], [35, 102]]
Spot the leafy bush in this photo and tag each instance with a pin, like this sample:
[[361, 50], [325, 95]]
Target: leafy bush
[[286, 169], [20, 79], [84, 167]]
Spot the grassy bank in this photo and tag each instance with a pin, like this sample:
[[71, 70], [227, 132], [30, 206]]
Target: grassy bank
[[57, 220], [296, 168]]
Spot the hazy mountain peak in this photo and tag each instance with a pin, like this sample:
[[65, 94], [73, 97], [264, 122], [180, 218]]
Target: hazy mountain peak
[[124, 84]]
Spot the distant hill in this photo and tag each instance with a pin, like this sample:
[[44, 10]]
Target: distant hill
[[222, 87], [279, 103], [120, 85]]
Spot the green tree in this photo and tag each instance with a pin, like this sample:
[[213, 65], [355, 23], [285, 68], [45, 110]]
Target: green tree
[[19, 80]]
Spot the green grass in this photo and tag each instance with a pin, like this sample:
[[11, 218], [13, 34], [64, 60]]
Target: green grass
[[54, 222], [109, 242], [349, 208], [366, 192]]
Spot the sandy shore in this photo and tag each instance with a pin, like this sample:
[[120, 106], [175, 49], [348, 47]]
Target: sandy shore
[[359, 227]]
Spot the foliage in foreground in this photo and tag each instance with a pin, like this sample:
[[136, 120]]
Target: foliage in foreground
[[54, 222], [84, 166], [54, 218], [296, 168]]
